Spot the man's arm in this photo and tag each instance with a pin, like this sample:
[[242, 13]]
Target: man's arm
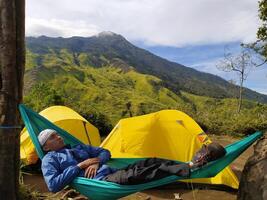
[[99, 153], [56, 179]]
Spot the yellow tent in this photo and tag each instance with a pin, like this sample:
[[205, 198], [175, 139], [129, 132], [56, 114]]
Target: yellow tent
[[65, 118], [166, 134]]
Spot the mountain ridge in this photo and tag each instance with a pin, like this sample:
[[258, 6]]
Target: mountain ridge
[[104, 49]]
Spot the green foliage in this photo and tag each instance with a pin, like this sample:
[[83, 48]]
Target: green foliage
[[99, 120], [263, 17], [32, 60], [262, 31], [42, 96], [219, 116]]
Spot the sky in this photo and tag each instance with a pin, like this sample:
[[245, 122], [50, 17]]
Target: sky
[[193, 33]]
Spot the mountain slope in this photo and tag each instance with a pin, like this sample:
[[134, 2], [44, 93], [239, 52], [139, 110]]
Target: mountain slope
[[107, 89], [118, 93], [111, 93], [106, 49]]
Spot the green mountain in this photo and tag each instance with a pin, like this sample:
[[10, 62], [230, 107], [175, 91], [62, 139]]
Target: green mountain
[[110, 49], [105, 78]]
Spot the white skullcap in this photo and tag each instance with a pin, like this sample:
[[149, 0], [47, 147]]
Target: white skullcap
[[44, 135]]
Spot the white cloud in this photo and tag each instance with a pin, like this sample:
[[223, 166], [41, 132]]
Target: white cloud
[[56, 28], [155, 22]]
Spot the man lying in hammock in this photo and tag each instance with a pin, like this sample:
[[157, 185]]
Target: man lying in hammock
[[62, 164]]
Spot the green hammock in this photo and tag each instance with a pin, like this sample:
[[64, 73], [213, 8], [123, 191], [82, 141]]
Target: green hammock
[[98, 190]]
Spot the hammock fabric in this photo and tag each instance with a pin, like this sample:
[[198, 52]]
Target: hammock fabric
[[101, 190]]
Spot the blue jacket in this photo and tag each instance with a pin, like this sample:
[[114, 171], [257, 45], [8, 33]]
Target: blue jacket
[[60, 167]]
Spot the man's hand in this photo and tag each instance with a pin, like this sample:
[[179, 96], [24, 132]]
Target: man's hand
[[90, 171], [88, 162]]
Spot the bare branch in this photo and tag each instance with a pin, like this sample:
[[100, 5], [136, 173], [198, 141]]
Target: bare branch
[[241, 63], [258, 65]]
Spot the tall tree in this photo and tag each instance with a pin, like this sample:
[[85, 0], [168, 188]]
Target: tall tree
[[12, 61], [241, 64]]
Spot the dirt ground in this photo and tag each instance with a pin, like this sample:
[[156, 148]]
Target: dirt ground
[[169, 192]]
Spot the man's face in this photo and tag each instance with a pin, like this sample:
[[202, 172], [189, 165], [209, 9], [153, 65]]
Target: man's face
[[201, 157], [53, 143]]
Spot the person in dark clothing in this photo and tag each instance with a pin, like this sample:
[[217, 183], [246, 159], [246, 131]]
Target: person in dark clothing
[[147, 170], [62, 164]]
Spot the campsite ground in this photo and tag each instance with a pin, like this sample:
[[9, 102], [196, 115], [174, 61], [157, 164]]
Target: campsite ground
[[199, 193]]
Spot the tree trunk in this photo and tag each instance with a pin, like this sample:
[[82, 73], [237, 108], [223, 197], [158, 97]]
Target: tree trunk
[[12, 61], [240, 94]]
